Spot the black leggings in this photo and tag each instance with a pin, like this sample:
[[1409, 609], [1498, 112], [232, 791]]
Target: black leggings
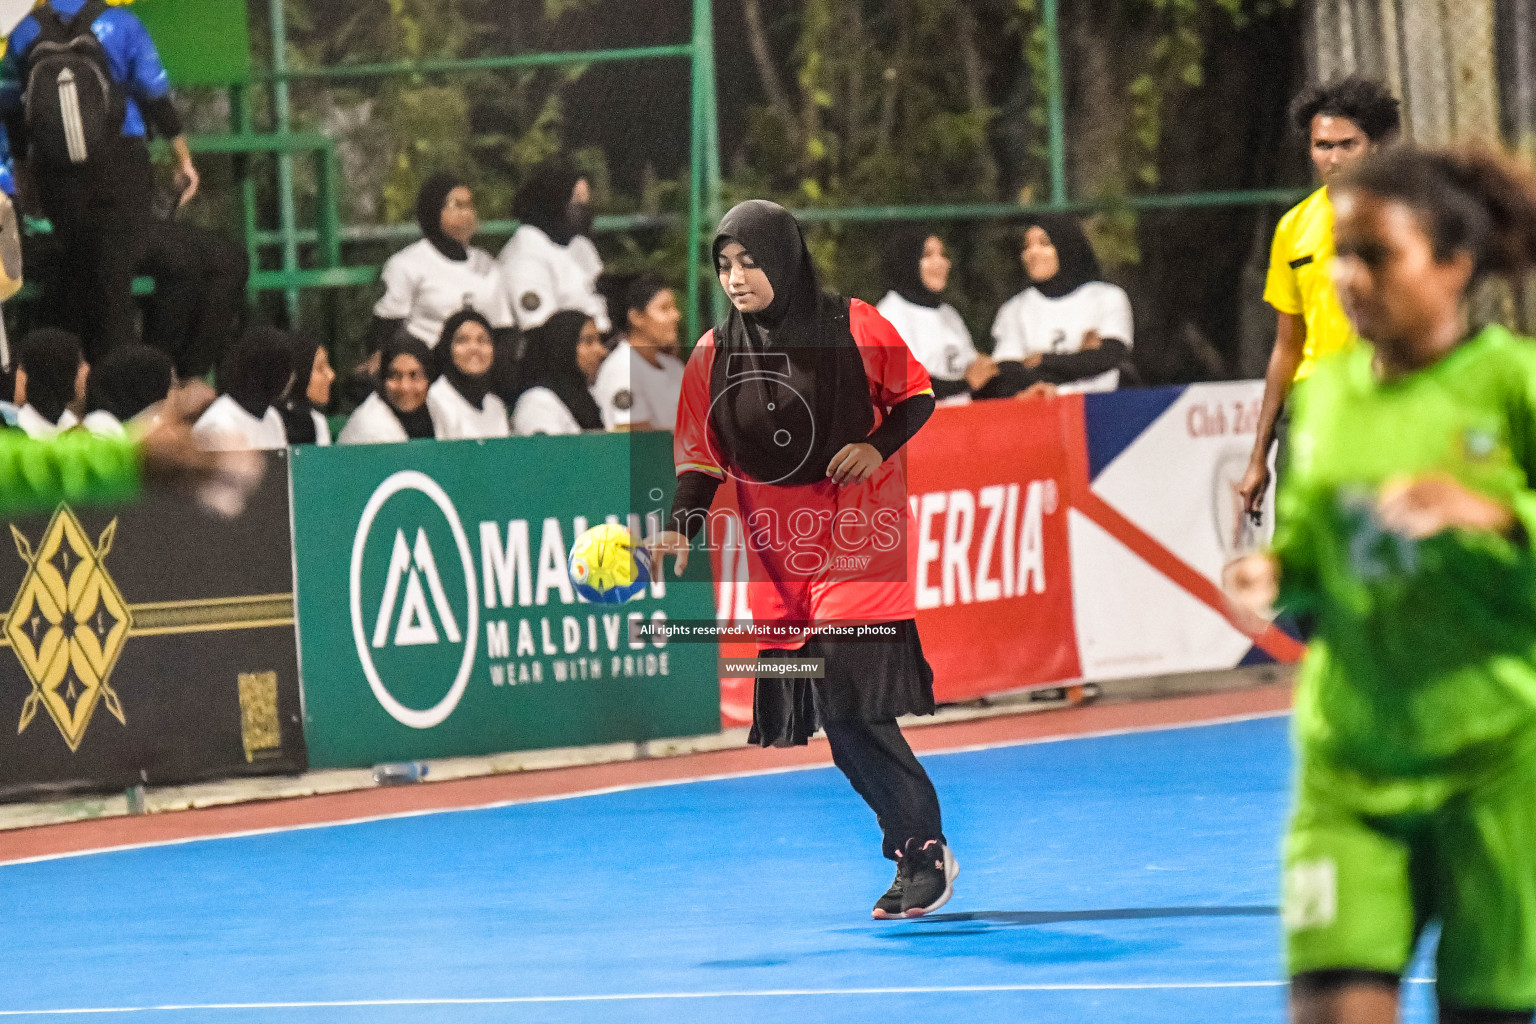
[[100, 218], [880, 764]]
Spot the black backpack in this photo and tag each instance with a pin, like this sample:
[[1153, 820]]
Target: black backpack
[[74, 109]]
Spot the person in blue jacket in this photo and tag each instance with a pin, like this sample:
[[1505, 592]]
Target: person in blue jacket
[[101, 210]]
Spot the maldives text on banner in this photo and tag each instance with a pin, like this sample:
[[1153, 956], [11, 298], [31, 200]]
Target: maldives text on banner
[[437, 615]]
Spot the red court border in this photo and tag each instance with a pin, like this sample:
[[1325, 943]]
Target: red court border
[[108, 833]]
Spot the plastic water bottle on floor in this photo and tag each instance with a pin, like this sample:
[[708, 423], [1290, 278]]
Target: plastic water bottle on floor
[[399, 773]]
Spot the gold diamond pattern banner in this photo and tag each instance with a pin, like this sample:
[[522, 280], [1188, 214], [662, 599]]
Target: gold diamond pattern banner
[[68, 625]]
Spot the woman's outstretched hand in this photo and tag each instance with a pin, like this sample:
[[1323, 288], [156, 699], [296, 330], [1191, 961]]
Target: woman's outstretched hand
[[1424, 506], [1252, 585], [220, 482], [854, 464], [668, 542]]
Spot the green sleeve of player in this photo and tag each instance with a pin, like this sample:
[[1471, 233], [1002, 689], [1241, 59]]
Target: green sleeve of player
[[75, 468]]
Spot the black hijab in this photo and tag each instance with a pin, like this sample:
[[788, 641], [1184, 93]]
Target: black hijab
[[545, 201], [1078, 263], [430, 203], [129, 380], [52, 360], [474, 389], [418, 424], [549, 361], [788, 387], [257, 370], [902, 262], [298, 409]]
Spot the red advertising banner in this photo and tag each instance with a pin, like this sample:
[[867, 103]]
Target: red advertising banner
[[989, 486]]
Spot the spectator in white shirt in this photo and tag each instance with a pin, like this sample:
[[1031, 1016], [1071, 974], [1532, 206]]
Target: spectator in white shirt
[[639, 383], [917, 272], [550, 264], [311, 392], [561, 363], [1069, 330], [428, 281], [397, 411], [50, 377], [130, 381], [255, 379], [461, 400]]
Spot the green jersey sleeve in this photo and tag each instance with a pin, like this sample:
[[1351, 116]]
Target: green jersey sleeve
[[75, 467]]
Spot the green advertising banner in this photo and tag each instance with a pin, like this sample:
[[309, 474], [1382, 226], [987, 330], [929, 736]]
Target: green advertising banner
[[437, 617]]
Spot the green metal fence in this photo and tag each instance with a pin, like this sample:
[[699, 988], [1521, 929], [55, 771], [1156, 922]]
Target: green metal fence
[[704, 181]]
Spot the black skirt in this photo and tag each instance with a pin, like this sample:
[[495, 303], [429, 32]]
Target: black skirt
[[868, 682]]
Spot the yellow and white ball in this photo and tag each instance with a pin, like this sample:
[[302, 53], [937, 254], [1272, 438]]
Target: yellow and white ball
[[608, 567]]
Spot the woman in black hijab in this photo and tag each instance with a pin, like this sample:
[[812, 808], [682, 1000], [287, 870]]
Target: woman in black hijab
[[462, 401], [428, 281], [550, 264], [804, 399], [397, 411], [557, 374], [254, 381], [917, 272], [1069, 327], [311, 392]]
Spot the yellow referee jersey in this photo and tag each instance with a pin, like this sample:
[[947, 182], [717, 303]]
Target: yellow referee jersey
[[1300, 279]]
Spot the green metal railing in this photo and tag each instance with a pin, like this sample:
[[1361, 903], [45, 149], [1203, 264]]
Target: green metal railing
[[704, 179]]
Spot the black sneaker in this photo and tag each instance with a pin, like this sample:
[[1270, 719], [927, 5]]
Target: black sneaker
[[889, 905], [928, 877]]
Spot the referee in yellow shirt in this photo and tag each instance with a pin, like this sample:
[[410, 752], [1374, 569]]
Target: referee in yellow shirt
[[1344, 122]]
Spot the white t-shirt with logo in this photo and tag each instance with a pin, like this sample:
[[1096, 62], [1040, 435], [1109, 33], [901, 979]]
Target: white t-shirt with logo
[[630, 390], [1030, 324], [540, 411], [226, 427], [937, 336], [542, 278], [454, 419], [424, 288]]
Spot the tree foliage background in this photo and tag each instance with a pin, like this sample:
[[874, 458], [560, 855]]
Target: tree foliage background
[[848, 103]]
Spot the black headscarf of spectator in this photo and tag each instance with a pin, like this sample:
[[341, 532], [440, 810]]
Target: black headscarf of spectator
[[825, 399], [430, 202], [298, 418], [474, 389], [52, 359], [1078, 264], [418, 424], [129, 380], [550, 362], [902, 263], [544, 201], [257, 371]]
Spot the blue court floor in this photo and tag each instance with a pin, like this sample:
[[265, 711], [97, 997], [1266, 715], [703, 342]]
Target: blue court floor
[[1126, 878]]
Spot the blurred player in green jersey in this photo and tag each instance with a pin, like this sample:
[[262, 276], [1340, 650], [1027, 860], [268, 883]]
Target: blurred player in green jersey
[[1406, 526]]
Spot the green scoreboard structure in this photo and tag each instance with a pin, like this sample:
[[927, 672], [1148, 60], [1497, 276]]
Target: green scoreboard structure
[[203, 42]]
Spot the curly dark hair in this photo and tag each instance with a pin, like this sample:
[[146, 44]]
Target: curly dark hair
[[1469, 199], [1364, 101]]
